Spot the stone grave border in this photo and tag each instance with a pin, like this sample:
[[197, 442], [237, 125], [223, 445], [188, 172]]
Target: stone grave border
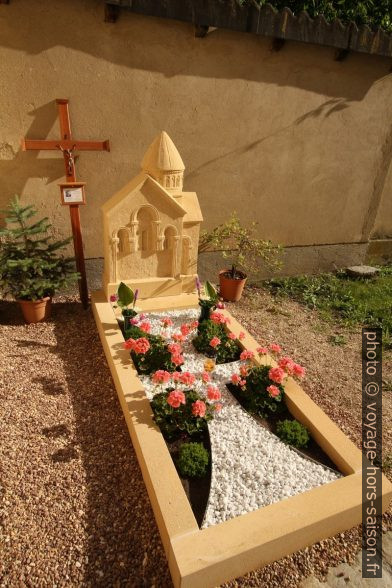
[[211, 556]]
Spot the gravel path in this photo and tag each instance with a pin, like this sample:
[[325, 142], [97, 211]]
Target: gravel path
[[74, 510], [251, 467]]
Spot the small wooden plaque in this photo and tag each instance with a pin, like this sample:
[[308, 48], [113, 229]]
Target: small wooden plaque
[[73, 193]]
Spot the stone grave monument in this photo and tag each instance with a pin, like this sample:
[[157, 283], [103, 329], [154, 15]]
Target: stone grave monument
[[151, 228]]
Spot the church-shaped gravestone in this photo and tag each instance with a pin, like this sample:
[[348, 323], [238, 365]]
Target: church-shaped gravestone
[[151, 228]]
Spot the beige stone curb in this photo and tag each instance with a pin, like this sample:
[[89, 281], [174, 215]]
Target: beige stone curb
[[206, 558]]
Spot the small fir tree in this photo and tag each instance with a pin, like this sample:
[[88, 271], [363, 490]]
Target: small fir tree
[[30, 266]]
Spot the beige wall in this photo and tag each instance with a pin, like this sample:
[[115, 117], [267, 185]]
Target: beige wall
[[293, 139]]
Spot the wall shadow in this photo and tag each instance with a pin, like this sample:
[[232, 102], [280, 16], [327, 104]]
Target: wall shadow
[[170, 48], [163, 58], [124, 547], [16, 168]]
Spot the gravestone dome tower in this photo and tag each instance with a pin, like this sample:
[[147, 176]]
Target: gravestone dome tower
[[163, 162], [151, 228]]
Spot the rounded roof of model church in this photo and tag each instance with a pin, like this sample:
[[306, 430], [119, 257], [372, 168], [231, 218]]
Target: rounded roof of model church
[[162, 156]]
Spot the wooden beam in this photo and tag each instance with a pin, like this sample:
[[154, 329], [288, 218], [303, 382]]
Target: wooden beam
[[112, 12], [4, 1], [44, 145], [201, 31]]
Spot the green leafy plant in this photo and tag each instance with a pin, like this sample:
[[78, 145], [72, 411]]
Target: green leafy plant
[[173, 421], [246, 252], [30, 265], [193, 460], [374, 14], [254, 395], [293, 433], [124, 298], [227, 350], [338, 340]]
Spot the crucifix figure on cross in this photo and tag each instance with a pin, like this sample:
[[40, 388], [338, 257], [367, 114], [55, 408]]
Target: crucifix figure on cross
[[67, 145], [68, 155]]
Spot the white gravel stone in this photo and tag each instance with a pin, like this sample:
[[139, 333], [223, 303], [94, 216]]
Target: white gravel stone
[[251, 467]]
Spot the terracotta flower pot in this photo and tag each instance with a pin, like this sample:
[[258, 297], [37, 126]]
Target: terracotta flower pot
[[231, 289], [36, 311]]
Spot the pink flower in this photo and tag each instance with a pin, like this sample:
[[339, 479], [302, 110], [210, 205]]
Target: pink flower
[[219, 318], [242, 383], [185, 329], [287, 364], [187, 378], [134, 320], [167, 322], [262, 350], [178, 337], [232, 336], [161, 377], [199, 408], [275, 348], [113, 298], [215, 341], [299, 371], [273, 391], [142, 316], [277, 375], [205, 376], [177, 359], [194, 324], [146, 327], [141, 345], [241, 335], [215, 317], [218, 406], [246, 355], [235, 379], [244, 370], [174, 348], [175, 398], [176, 376], [221, 304], [213, 393], [129, 344]]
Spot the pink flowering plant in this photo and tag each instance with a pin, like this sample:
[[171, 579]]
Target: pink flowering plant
[[150, 352], [179, 411], [213, 339], [184, 403], [260, 389]]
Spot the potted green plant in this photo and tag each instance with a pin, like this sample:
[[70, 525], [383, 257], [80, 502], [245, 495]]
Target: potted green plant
[[30, 268], [124, 298], [246, 253], [207, 302]]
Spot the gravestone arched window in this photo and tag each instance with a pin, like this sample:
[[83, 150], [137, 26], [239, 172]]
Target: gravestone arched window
[[123, 243], [145, 232]]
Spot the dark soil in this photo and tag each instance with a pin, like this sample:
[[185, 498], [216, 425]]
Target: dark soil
[[196, 489], [313, 450], [236, 276]]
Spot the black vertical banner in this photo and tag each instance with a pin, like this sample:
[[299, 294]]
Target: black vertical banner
[[371, 452]]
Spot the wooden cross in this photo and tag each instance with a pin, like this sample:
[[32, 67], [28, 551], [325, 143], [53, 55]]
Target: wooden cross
[[67, 146]]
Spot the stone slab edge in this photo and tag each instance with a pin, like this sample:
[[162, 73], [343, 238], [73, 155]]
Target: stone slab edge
[[221, 552]]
